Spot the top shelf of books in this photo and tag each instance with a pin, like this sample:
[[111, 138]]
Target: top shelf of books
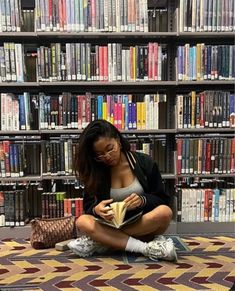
[[140, 18]]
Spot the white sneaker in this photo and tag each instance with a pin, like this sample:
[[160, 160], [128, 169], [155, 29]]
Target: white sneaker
[[163, 250], [163, 238], [84, 246]]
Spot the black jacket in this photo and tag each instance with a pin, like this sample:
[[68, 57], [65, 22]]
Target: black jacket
[[146, 171]]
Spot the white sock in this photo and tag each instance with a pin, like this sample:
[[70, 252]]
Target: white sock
[[136, 246]]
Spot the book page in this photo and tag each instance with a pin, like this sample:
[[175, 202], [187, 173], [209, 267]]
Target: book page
[[119, 210]]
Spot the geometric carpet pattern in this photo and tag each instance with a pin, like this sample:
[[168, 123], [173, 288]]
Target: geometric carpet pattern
[[204, 263]]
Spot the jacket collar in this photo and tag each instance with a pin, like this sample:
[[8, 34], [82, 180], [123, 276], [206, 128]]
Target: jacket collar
[[131, 160], [137, 168]]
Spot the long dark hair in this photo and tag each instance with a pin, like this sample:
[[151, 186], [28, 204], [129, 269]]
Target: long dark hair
[[88, 170]]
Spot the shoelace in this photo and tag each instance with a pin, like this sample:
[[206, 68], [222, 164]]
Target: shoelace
[[160, 250], [86, 242], [170, 240], [83, 240], [162, 238]]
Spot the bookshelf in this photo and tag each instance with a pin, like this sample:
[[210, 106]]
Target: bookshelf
[[171, 86]]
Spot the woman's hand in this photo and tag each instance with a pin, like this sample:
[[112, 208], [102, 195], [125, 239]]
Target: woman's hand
[[133, 201], [104, 210]]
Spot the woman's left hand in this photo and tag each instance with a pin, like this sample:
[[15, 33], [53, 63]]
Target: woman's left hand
[[133, 201]]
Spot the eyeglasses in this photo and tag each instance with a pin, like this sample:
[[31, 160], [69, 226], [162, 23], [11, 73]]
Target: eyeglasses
[[100, 158]]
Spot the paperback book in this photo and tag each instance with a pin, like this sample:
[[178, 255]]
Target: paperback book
[[119, 210]]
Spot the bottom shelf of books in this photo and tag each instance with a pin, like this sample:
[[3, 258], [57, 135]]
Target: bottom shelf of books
[[201, 205], [205, 200]]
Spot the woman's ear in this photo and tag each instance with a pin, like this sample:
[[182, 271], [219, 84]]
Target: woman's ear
[[120, 145]]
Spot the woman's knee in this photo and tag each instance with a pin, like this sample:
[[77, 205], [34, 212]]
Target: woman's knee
[[85, 223], [163, 213]]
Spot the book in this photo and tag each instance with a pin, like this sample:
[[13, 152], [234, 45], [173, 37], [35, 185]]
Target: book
[[119, 210]]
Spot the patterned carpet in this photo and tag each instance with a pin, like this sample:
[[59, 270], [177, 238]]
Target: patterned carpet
[[204, 263]]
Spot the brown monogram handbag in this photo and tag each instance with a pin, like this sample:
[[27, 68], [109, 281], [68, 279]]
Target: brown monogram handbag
[[45, 233]]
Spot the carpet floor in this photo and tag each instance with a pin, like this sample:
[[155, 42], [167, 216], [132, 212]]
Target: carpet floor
[[204, 263]]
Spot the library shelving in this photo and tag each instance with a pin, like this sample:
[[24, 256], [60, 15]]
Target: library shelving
[[177, 31]]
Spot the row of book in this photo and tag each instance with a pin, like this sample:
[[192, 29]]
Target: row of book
[[117, 16], [10, 16], [205, 62], [124, 111], [19, 112], [116, 62], [110, 63], [55, 204], [206, 109], [19, 158], [28, 20], [91, 16], [215, 155], [12, 65], [130, 111], [157, 20], [15, 19], [206, 15], [35, 197], [213, 109], [12, 208], [156, 148], [83, 61], [202, 205], [205, 182], [57, 156], [193, 205]]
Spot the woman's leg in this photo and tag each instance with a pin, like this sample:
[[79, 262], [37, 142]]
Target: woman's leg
[[101, 233], [153, 222]]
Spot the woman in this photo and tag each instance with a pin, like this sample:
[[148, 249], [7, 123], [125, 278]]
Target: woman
[[111, 172]]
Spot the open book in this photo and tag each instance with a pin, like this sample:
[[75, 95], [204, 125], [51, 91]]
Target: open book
[[119, 209]]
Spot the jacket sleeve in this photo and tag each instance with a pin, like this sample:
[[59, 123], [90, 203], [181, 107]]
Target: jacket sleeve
[[89, 202], [156, 194]]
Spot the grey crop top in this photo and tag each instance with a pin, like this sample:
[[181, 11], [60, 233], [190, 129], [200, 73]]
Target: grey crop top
[[121, 193]]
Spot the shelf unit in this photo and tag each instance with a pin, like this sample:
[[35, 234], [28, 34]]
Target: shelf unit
[[179, 228], [172, 38]]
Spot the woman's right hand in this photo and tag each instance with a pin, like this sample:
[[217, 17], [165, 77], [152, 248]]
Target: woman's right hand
[[104, 210]]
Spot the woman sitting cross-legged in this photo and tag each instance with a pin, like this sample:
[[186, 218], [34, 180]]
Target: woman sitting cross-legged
[[111, 172]]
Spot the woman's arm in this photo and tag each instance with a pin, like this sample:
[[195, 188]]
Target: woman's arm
[[156, 194], [89, 202]]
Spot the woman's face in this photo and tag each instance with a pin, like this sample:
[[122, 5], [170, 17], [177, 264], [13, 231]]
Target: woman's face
[[107, 151]]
